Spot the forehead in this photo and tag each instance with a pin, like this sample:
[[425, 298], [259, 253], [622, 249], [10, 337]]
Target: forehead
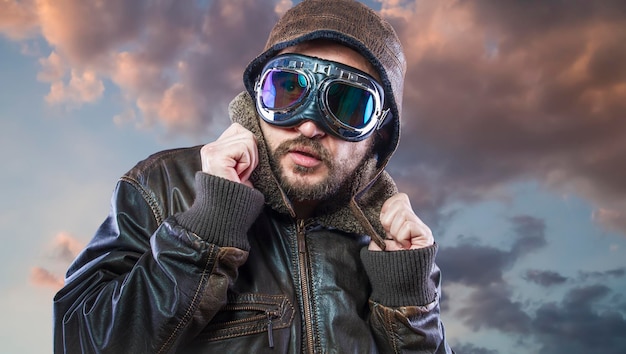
[[336, 52]]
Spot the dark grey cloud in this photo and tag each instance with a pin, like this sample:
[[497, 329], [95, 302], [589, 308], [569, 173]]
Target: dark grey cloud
[[473, 264], [528, 20], [492, 307], [602, 275], [545, 278], [530, 234], [468, 348], [577, 326], [587, 319], [490, 304]]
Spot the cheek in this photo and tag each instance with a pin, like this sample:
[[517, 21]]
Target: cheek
[[270, 139], [352, 153]]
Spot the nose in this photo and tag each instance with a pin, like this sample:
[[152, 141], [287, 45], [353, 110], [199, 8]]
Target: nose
[[311, 130]]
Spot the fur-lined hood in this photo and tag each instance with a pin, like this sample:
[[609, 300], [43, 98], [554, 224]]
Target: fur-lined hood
[[358, 212]]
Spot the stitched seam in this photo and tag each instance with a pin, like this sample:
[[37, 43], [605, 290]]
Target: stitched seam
[[151, 161], [284, 322], [152, 203], [392, 333], [250, 331], [192, 306]]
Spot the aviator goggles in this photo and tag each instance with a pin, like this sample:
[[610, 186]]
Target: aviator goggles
[[344, 101]]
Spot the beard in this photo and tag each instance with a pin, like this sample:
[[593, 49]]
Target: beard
[[340, 173]]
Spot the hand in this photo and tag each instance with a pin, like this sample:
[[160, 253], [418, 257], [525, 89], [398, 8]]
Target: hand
[[404, 230], [233, 155]]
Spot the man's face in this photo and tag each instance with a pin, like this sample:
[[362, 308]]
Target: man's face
[[310, 164]]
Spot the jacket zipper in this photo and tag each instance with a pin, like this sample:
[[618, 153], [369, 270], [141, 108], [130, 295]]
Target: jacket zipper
[[270, 327], [304, 281], [268, 313]]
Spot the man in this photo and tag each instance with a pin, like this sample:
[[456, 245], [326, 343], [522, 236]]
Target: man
[[283, 235]]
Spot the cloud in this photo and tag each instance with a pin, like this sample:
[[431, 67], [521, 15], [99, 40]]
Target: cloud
[[530, 233], [82, 87], [468, 348], [18, 19], [176, 64], [65, 247], [282, 6], [473, 264], [59, 253], [602, 276], [86, 30], [52, 68], [42, 277], [589, 318], [496, 94], [491, 307], [481, 268], [576, 325], [476, 265], [489, 99], [544, 278], [613, 217]]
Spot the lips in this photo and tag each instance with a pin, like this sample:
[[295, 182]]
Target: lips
[[306, 151], [304, 156]]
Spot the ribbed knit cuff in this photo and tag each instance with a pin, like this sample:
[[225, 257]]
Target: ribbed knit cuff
[[222, 212], [401, 278]]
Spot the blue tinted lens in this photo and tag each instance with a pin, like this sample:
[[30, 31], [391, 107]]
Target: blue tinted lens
[[282, 89], [353, 106]]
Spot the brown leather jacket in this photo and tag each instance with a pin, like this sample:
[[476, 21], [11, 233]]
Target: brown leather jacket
[[192, 263]]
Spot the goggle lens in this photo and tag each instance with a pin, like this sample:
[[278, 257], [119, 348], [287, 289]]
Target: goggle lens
[[353, 106], [283, 89]]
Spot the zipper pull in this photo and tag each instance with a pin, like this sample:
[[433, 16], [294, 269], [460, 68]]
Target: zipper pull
[[270, 329], [300, 236]]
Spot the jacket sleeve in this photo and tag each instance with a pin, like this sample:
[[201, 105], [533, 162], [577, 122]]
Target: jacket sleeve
[[142, 286], [404, 304]]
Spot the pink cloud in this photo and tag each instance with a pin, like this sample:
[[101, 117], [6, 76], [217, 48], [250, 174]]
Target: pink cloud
[[42, 277], [82, 87], [85, 30], [176, 64], [65, 247], [61, 251], [52, 68], [18, 19]]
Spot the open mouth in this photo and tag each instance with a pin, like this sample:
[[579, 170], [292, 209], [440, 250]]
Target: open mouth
[[306, 152], [305, 157]]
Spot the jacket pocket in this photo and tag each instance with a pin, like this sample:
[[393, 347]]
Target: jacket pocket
[[250, 313]]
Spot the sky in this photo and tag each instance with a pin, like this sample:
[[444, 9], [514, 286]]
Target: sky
[[513, 148]]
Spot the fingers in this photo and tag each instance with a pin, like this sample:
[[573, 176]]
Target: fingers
[[404, 230], [233, 155]]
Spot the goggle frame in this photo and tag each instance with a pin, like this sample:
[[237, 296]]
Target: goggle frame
[[320, 74]]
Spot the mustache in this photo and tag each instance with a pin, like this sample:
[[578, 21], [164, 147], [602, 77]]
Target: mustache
[[302, 141]]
